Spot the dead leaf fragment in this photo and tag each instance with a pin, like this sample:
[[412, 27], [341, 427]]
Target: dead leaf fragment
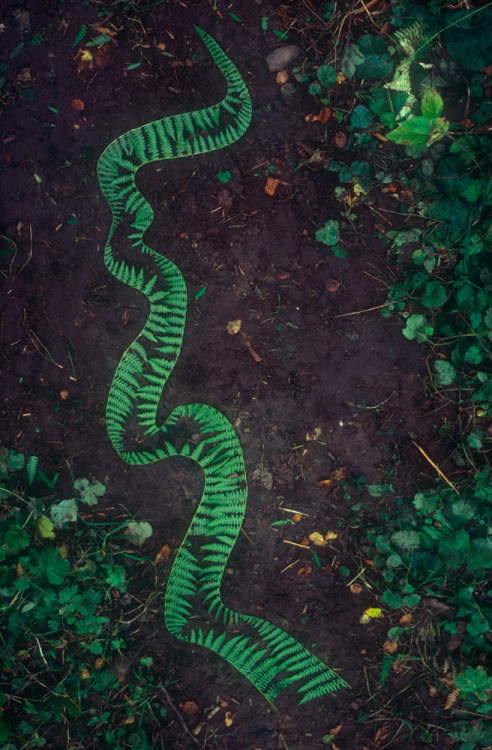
[[340, 139], [86, 61], [297, 517], [228, 719], [315, 434], [271, 185], [332, 285], [189, 708], [317, 539], [390, 646], [64, 395], [78, 105], [233, 326], [324, 115], [330, 535], [370, 614], [103, 56], [305, 571], [406, 619], [163, 553], [356, 588], [282, 77]]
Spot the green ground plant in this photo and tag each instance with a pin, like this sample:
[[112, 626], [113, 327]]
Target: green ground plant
[[437, 544], [66, 584]]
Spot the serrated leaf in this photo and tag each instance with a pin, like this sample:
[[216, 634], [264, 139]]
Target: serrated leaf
[[406, 540], [55, 567], [446, 374], [434, 294], [138, 531], [417, 328], [89, 491], [44, 528], [327, 75], [414, 132], [353, 57], [432, 104], [16, 538], [361, 117], [64, 512], [330, 233]]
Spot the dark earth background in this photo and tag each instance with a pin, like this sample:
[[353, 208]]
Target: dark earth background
[[65, 324]]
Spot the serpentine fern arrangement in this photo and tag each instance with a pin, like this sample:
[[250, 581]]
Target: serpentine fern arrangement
[[411, 41], [194, 611]]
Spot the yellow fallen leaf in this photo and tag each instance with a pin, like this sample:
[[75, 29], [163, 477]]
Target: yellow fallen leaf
[[331, 535], [370, 614], [233, 326], [313, 435], [271, 185], [282, 77], [228, 718], [317, 539]]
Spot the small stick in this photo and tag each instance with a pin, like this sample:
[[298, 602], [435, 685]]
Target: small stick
[[436, 467], [369, 309], [180, 718], [295, 544]]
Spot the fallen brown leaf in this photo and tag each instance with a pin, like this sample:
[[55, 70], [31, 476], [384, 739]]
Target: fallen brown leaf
[[390, 646], [282, 77], [189, 708], [332, 285], [233, 326], [163, 553], [356, 588], [324, 115], [340, 139]]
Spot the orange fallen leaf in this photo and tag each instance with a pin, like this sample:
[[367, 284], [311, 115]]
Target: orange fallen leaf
[[325, 482], [390, 646], [189, 708], [406, 619], [324, 115], [64, 395], [311, 118], [163, 553], [305, 571], [99, 663], [78, 105], [297, 517], [340, 473], [271, 185], [330, 535]]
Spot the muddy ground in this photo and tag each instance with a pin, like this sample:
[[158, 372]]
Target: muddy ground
[[302, 366]]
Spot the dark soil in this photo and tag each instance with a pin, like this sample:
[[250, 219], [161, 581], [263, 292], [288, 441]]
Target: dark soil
[[301, 364]]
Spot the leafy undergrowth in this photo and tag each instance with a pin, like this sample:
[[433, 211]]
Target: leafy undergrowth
[[71, 606], [422, 81]]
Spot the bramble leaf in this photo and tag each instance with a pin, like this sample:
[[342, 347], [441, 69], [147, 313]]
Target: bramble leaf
[[432, 104]]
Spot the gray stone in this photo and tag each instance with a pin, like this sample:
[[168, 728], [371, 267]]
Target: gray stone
[[281, 57]]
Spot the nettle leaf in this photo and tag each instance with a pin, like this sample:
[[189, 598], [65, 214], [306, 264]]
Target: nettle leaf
[[432, 104], [434, 294], [446, 374], [54, 566], [16, 538], [376, 62], [406, 540], [330, 233], [89, 491], [353, 57], [138, 531], [454, 547], [327, 75], [64, 512], [473, 440], [361, 117], [473, 355], [415, 132], [469, 42], [474, 680], [417, 328]]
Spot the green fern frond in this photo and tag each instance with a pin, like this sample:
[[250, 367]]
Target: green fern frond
[[81, 34], [31, 468], [99, 40]]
